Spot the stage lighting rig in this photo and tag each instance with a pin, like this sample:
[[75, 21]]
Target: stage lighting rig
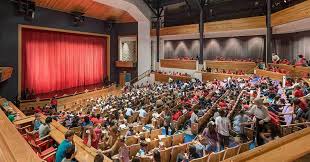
[[25, 8], [78, 18]]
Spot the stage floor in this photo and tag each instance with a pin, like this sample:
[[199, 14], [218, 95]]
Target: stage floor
[[69, 91]]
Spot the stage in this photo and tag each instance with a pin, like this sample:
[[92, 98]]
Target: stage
[[68, 91]]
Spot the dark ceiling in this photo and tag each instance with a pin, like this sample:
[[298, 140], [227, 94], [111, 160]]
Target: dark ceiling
[[181, 12]]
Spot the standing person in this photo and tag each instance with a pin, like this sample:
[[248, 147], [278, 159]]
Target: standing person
[[44, 128], [262, 118], [239, 123], [275, 58], [69, 154], [223, 126], [123, 150], [64, 145], [54, 103], [209, 135]]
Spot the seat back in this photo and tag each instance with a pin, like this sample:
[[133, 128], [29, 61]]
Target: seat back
[[177, 139], [216, 157], [155, 133], [176, 150], [230, 152], [153, 144], [167, 141], [131, 140], [202, 159], [133, 150], [244, 147], [165, 155]]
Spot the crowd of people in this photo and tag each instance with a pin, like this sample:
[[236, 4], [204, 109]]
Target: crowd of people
[[263, 105]]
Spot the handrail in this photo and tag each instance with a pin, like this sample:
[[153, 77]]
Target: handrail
[[141, 76]]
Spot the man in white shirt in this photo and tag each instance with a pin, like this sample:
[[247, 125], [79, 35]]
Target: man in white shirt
[[223, 126], [194, 117], [275, 58], [142, 112], [262, 118]]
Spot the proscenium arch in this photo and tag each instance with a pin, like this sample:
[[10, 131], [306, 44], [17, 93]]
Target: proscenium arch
[[142, 14]]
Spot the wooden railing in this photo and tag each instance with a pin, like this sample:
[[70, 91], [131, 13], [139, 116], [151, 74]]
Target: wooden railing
[[293, 71], [285, 149], [270, 74], [141, 76], [246, 67], [179, 64], [159, 77], [13, 147], [207, 76]]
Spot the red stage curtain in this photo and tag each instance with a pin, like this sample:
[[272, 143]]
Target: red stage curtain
[[55, 60]]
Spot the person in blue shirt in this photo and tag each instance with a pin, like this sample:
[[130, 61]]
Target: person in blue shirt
[[64, 145]]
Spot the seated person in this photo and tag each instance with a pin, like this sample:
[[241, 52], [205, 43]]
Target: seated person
[[44, 128], [143, 149], [37, 122]]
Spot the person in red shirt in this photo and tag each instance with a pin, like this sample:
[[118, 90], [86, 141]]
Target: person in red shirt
[[176, 115], [298, 92]]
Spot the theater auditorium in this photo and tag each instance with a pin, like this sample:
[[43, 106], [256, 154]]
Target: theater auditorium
[[155, 81]]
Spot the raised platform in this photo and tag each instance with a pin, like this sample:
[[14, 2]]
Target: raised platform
[[165, 78], [66, 101]]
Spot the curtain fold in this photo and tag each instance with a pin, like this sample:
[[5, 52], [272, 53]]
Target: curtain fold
[[54, 61]]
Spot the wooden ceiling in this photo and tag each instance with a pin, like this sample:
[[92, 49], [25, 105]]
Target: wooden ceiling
[[89, 7]]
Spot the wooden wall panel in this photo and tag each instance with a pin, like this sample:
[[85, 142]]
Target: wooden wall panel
[[294, 13], [270, 74], [220, 76], [218, 26], [236, 24], [247, 67], [294, 71], [178, 64]]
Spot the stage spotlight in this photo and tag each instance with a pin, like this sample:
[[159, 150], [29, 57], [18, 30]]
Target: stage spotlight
[[25, 8], [78, 18]]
